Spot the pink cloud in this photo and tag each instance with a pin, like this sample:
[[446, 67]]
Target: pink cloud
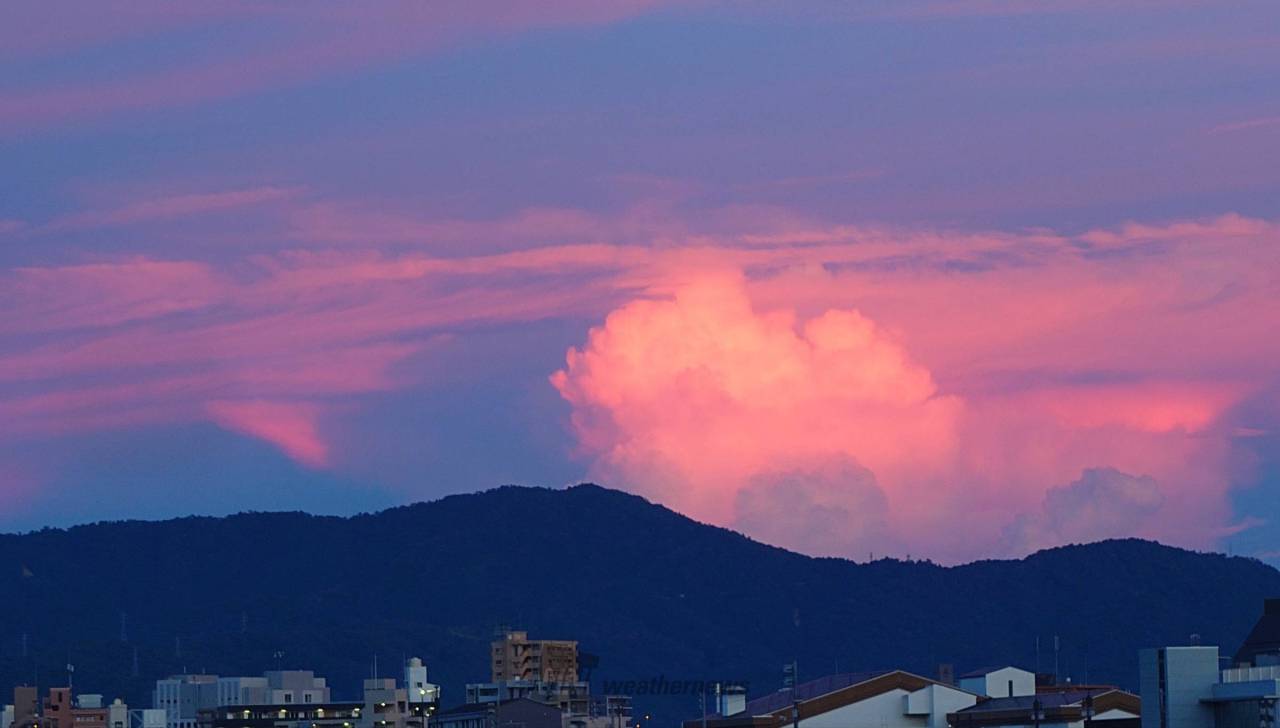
[[105, 294], [1011, 380], [891, 379], [290, 426], [176, 206], [689, 399], [1247, 124]]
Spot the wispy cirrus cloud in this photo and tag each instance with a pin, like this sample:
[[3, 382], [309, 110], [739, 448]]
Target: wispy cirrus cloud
[[1261, 122], [270, 46], [169, 207]]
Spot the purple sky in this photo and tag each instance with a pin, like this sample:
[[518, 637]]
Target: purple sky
[[838, 275]]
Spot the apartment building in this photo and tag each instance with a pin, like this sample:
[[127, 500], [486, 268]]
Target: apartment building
[[516, 657]]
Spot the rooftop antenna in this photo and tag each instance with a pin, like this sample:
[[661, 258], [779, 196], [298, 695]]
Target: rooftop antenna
[[1056, 648], [124, 626]]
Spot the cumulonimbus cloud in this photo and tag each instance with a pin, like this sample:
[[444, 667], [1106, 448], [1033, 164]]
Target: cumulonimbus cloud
[[693, 400], [826, 436]]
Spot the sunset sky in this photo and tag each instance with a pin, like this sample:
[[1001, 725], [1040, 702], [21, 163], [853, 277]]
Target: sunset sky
[[948, 278]]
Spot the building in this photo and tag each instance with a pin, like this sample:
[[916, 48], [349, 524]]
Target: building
[[319, 715], [384, 705], [60, 709], [571, 698], [422, 694], [545, 672], [728, 699], [1262, 646], [1100, 706], [1177, 685], [886, 699], [516, 657], [182, 697], [1183, 687], [118, 715], [576, 705], [999, 682], [515, 713], [242, 691], [23, 711]]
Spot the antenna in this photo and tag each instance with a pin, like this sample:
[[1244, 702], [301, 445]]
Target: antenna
[[1056, 647], [124, 626]]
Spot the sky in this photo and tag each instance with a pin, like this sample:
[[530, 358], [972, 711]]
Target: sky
[[946, 279]]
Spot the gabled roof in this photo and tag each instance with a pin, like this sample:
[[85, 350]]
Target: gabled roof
[[1111, 699], [822, 696], [1265, 636], [810, 690], [983, 672]]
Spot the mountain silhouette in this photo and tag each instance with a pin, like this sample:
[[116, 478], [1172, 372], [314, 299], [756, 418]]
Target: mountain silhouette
[[651, 593]]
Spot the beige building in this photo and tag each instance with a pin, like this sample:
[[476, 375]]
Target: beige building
[[516, 657]]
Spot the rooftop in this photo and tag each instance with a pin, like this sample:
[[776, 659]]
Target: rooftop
[[810, 690]]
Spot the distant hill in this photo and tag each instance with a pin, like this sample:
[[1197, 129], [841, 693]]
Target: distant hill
[[652, 593]]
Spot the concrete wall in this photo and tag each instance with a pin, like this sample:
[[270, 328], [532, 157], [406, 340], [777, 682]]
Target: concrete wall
[[1114, 714], [997, 683], [1189, 674], [887, 710]]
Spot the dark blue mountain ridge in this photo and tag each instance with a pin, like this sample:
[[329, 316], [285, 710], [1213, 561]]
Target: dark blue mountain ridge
[[652, 593]]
